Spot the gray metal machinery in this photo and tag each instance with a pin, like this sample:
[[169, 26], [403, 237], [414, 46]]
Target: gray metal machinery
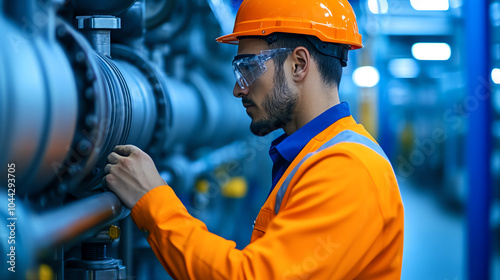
[[79, 77]]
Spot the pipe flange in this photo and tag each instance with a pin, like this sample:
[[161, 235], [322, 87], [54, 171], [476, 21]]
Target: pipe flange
[[115, 124], [80, 158], [158, 83]]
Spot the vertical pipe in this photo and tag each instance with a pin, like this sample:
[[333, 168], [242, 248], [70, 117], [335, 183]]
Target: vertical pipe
[[478, 105], [126, 249]]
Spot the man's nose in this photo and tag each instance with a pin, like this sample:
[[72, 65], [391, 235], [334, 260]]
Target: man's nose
[[238, 91]]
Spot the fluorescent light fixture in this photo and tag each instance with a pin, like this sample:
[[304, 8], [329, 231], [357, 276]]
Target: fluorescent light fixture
[[430, 5], [495, 75], [404, 68], [366, 76], [378, 6], [431, 51]]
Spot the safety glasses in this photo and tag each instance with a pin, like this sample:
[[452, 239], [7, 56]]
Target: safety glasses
[[249, 67]]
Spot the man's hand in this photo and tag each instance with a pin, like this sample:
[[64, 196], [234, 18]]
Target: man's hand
[[131, 173]]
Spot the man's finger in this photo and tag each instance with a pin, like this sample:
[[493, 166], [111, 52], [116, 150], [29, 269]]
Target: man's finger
[[113, 158], [125, 150], [107, 168]]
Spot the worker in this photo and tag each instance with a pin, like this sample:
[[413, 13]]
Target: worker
[[335, 210]]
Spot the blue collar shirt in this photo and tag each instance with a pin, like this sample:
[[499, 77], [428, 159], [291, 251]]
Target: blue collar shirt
[[285, 148]]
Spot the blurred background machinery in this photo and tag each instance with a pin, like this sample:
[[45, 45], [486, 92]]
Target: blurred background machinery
[[79, 77]]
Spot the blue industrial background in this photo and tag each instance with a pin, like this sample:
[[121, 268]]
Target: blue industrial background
[[426, 85]]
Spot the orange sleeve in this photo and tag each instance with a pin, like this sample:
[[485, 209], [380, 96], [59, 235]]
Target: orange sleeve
[[324, 231]]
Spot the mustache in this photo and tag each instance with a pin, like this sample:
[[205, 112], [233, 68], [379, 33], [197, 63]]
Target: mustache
[[246, 100]]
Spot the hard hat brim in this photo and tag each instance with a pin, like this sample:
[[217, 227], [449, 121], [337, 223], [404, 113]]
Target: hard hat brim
[[233, 37]]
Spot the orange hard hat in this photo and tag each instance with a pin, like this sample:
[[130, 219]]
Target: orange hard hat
[[331, 21]]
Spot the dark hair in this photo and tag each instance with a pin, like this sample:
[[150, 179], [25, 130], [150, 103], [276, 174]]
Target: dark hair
[[329, 67]]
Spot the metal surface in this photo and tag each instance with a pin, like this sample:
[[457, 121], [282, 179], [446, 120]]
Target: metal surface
[[97, 29], [166, 31], [68, 96], [40, 118], [99, 7], [98, 22], [132, 25], [153, 93], [87, 217], [108, 269], [101, 41], [158, 12], [479, 146], [143, 105], [47, 230]]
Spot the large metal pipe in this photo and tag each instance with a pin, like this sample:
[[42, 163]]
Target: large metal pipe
[[59, 125], [39, 105], [69, 116]]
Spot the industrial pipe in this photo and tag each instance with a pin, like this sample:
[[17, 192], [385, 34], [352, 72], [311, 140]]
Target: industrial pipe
[[87, 214], [27, 234]]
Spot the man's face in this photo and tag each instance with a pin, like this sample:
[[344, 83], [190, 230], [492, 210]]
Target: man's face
[[269, 100]]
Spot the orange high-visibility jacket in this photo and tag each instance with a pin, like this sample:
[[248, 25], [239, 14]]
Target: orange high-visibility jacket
[[338, 215]]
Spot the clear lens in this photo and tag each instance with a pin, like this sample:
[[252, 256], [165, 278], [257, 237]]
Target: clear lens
[[239, 78], [249, 69]]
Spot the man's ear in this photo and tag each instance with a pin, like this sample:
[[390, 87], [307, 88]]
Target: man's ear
[[301, 62]]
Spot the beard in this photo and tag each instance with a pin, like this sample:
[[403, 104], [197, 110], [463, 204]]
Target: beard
[[278, 106]]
